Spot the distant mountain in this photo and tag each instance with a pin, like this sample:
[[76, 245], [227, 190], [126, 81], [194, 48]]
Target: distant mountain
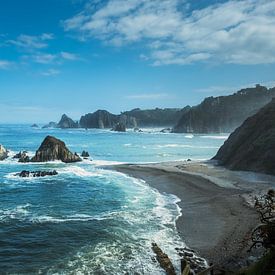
[[156, 117], [66, 122], [252, 146], [224, 113]]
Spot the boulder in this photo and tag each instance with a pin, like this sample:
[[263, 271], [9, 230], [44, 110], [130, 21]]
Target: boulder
[[26, 174], [54, 149], [119, 127], [3, 153], [166, 130], [24, 157], [251, 147]]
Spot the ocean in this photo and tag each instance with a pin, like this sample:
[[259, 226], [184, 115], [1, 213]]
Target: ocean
[[87, 220]]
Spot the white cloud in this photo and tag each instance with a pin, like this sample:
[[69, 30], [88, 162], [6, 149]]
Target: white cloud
[[235, 31], [44, 58], [5, 64], [31, 42], [50, 72], [147, 96], [69, 56]]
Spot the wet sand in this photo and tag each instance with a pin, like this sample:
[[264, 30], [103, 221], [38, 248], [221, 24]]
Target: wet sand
[[216, 217]]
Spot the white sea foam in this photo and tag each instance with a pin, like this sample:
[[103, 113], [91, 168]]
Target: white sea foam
[[97, 162], [215, 137], [19, 212], [79, 171], [189, 136]]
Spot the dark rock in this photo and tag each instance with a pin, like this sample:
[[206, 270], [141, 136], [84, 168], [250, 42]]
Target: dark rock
[[54, 149], [85, 154], [66, 122], [189, 160], [50, 125], [3, 153], [163, 260], [19, 155], [166, 130], [119, 127], [23, 157], [251, 147], [25, 174], [35, 126], [223, 114]]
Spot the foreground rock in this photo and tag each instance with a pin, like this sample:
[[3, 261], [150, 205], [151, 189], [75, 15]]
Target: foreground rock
[[66, 122], [3, 153], [224, 114], [26, 174], [119, 127], [251, 147], [54, 149]]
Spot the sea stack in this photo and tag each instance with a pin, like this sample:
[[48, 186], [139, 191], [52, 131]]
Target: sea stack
[[251, 147], [66, 122], [3, 153], [54, 149]]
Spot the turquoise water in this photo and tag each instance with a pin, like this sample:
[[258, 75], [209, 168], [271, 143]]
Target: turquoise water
[[87, 220]]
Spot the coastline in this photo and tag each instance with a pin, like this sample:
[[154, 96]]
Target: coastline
[[217, 216]]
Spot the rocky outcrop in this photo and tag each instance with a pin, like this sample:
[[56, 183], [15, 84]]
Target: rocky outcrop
[[225, 113], [3, 153], [251, 147], [85, 154], [50, 125], [66, 122], [22, 157], [119, 127], [156, 117], [54, 149], [35, 126], [35, 174]]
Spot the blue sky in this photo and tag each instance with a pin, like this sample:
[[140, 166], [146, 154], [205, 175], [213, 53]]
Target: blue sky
[[76, 56]]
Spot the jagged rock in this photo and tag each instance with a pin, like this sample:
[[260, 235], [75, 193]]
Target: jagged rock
[[24, 157], [19, 155], [54, 149], [119, 127], [163, 260], [251, 147], [224, 114], [3, 152], [50, 125], [66, 122], [137, 130], [85, 154], [26, 174], [35, 126], [166, 130]]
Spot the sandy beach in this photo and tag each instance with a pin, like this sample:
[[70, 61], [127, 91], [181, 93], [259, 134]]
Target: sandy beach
[[216, 203]]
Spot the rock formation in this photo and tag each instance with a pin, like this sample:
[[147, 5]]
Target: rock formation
[[119, 127], [23, 157], [66, 122], [54, 149], [3, 153], [223, 114], [35, 126], [85, 154], [50, 125], [26, 174], [251, 147]]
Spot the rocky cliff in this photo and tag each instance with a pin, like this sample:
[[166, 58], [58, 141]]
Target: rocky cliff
[[66, 122], [157, 117], [224, 113], [54, 149], [251, 147]]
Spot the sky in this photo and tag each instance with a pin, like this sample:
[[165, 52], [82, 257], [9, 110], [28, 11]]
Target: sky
[[77, 56]]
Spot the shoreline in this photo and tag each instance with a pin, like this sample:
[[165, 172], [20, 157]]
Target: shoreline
[[215, 203]]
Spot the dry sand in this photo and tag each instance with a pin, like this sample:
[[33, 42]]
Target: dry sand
[[216, 217]]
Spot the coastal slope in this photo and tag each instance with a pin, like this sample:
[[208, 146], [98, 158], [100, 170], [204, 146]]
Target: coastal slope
[[251, 147]]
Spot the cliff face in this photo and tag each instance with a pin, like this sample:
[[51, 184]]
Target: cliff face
[[3, 153], [156, 117], [251, 147], [225, 113], [54, 149], [66, 122]]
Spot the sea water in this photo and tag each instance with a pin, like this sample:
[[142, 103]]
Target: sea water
[[89, 220]]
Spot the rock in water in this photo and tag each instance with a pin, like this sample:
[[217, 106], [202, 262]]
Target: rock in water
[[23, 157], [50, 125], [66, 122], [119, 127], [35, 126], [3, 153], [85, 154], [54, 149], [251, 147], [26, 174]]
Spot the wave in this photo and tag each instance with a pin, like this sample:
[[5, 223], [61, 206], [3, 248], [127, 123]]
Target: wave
[[79, 171], [216, 137], [185, 146], [189, 136]]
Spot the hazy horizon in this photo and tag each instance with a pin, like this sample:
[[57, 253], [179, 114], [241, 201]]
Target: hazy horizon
[[78, 56]]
